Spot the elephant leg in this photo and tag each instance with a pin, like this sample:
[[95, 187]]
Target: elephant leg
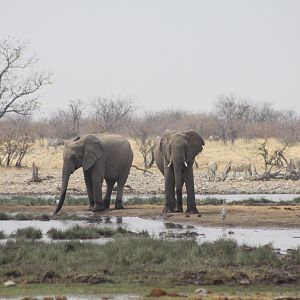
[[178, 203], [120, 188], [110, 184], [89, 187], [189, 183], [97, 192], [169, 190]]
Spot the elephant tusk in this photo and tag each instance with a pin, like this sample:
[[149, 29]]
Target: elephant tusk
[[169, 164], [185, 163]]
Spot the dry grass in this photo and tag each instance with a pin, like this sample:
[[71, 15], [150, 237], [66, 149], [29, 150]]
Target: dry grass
[[49, 159]]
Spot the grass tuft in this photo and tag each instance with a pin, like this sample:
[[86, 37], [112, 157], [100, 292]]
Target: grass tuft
[[28, 233], [2, 235], [4, 216]]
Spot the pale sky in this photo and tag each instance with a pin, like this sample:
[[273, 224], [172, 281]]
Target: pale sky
[[163, 53]]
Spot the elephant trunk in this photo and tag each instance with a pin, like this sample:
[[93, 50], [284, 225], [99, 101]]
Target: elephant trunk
[[65, 180], [178, 182]]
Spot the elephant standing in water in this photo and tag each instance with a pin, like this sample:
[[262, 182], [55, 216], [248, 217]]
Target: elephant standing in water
[[106, 156], [174, 156]]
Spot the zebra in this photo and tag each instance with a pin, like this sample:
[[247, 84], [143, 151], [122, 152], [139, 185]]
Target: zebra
[[235, 167], [212, 167], [293, 166], [214, 138], [55, 143]]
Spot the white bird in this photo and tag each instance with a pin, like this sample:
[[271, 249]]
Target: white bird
[[224, 211]]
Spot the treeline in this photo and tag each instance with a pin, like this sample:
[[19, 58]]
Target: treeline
[[230, 119]]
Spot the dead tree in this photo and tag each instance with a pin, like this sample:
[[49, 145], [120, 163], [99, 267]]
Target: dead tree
[[271, 160], [17, 88], [35, 174], [141, 132]]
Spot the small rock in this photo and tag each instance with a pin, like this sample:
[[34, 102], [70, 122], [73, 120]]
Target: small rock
[[230, 232], [9, 283], [157, 292], [61, 298], [48, 298], [201, 292]]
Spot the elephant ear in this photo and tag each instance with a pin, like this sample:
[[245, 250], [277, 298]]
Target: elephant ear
[[163, 144], [195, 144], [92, 151]]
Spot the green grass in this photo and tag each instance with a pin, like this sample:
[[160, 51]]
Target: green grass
[[149, 200], [36, 201], [79, 232], [23, 217], [84, 233], [145, 259], [143, 289], [4, 216], [28, 233]]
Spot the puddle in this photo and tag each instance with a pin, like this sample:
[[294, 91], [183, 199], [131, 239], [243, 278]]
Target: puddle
[[228, 198], [241, 197], [282, 239]]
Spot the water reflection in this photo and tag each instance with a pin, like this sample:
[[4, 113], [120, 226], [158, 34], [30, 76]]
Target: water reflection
[[280, 238]]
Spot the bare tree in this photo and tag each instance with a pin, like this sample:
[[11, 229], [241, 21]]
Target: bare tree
[[112, 114], [18, 82], [60, 124], [76, 107], [141, 131], [229, 114], [15, 141]]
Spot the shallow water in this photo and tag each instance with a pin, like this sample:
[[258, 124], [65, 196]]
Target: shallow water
[[228, 198], [282, 239], [241, 197]]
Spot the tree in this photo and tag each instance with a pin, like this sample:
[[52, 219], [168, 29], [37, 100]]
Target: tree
[[229, 114], [76, 107], [18, 82], [141, 131], [14, 140], [112, 114]]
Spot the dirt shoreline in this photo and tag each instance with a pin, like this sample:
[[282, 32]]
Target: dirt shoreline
[[16, 182], [210, 215]]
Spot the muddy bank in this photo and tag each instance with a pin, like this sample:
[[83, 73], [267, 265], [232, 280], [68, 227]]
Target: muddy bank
[[210, 215], [16, 182]]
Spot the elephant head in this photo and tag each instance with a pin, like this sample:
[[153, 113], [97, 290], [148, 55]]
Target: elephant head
[[82, 152], [179, 150]]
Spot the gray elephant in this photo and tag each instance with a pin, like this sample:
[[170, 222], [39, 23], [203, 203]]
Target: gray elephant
[[106, 156], [174, 156]]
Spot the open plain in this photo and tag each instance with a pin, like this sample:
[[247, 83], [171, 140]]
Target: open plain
[[264, 274]]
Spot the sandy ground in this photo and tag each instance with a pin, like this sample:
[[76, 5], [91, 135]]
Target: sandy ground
[[238, 215]]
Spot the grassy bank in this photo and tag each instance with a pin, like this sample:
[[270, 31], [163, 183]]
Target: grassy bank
[[148, 261], [137, 200]]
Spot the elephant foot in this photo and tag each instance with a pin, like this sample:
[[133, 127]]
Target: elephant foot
[[98, 207], [90, 207], [193, 210], [179, 209], [168, 209], [119, 205], [106, 204]]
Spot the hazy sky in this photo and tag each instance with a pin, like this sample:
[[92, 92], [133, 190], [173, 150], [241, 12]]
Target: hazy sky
[[164, 53]]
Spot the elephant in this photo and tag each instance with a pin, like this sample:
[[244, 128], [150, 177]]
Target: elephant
[[105, 156], [174, 155]]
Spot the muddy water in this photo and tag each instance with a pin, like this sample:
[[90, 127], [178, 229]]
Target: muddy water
[[281, 239]]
